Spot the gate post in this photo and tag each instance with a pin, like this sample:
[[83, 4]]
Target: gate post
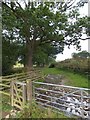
[[29, 90], [24, 94], [12, 92]]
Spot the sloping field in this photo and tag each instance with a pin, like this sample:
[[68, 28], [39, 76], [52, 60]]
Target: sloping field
[[69, 78]]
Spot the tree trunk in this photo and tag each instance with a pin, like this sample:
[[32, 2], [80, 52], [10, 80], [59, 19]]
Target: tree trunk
[[30, 47], [29, 56], [29, 64]]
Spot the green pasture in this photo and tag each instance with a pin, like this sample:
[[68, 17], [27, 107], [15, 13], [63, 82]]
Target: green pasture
[[70, 78]]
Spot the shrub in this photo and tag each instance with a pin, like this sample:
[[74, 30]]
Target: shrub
[[78, 66]]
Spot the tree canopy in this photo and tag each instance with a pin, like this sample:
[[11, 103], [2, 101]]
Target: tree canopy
[[82, 54], [43, 28]]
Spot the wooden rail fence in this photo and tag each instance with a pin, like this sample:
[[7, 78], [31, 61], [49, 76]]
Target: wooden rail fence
[[22, 88], [18, 87]]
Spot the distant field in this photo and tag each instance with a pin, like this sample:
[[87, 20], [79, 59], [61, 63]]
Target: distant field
[[71, 78]]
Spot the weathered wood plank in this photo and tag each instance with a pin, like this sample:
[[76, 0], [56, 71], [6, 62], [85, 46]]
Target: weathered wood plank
[[29, 90], [24, 94], [12, 92], [5, 93]]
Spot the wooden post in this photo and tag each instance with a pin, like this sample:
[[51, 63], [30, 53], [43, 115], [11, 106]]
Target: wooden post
[[12, 92], [29, 90], [24, 94]]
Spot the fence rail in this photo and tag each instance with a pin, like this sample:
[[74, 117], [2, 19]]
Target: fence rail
[[18, 87], [23, 88], [72, 100]]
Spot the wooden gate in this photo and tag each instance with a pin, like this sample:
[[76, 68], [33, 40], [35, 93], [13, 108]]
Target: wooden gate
[[21, 92], [18, 87], [18, 94], [71, 100]]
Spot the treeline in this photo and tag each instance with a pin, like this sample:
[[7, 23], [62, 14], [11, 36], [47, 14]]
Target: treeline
[[80, 63]]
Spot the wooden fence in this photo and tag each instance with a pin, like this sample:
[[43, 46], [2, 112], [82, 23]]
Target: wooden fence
[[18, 87], [21, 92], [21, 88]]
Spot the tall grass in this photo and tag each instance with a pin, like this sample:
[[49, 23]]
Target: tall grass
[[36, 111], [70, 78]]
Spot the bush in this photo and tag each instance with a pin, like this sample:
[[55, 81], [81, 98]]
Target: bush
[[77, 66]]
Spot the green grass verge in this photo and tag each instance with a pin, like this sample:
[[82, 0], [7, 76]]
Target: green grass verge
[[36, 111], [5, 105], [71, 78]]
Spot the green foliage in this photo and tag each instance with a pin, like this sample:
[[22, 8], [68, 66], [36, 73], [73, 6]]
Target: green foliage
[[5, 104], [76, 65], [80, 63], [36, 111], [44, 55], [70, 78], [40, 25], [9, 55], [82, 55]]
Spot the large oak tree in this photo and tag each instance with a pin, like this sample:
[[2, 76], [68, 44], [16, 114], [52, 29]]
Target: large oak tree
[[34, 25]]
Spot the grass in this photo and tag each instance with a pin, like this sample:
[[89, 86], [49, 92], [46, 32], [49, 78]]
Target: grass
[[34, 111], [31, 111], [5, 104], [71, 78], [37, 111]]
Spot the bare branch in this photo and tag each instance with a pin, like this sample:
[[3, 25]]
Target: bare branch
[[84, 38], [28, 3], [25, 3], [19, 5], [68, 4]]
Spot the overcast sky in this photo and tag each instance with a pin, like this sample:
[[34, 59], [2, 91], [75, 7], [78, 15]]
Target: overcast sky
[[84, 44]]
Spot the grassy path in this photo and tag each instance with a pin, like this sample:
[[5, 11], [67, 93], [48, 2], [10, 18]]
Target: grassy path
[[70, 78]]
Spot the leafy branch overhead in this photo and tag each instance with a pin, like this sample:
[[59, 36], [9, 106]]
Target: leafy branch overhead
[[44, 24]]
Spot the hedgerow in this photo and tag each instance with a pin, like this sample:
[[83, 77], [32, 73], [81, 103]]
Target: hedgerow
[[79, 65]]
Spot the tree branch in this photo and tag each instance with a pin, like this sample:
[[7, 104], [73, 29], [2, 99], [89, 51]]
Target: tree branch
[[7, 6], [25, 3], [84, 38], [19, 5], [69, 6], [10, 8], [13, 10], [29, 3]]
